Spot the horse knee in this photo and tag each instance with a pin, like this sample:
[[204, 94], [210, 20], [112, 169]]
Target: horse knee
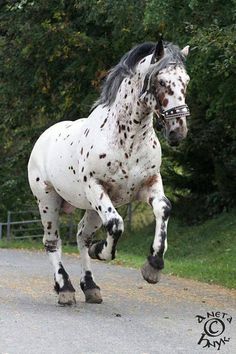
[[162, 208], [167, 208]]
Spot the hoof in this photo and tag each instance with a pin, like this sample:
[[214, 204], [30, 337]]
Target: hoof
[[95, 249], [98, 251], [66, 298], [93, 296], [150, 274]]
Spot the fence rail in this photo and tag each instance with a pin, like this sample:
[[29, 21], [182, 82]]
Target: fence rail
[[21, 229], [27, 229]]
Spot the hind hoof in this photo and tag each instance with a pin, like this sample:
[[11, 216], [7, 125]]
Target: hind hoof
[[98, 251], [93, 296], [93, 249], [66, 298], [150, 274]]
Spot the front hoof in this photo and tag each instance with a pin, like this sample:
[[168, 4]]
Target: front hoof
[[66, 298], [150, 274], [93, 296]]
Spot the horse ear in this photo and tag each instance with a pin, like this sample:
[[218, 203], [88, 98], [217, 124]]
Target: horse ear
[[159, 51], [185, 50]]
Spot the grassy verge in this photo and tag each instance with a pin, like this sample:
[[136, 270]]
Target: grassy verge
[[203, 252]]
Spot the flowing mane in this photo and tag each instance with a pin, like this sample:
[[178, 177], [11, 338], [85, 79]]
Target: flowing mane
[[127, 65]]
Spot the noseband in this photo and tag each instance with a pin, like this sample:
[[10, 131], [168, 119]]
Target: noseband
[[175, 112]]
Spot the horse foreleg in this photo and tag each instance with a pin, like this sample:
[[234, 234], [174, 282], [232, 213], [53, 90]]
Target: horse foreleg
[[113, 222], [161, 208], [86, 229]]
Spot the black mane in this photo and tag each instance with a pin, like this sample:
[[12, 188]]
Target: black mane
[[127, 64]]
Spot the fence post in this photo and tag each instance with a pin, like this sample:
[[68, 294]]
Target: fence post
[[130, 216], [8, 226]]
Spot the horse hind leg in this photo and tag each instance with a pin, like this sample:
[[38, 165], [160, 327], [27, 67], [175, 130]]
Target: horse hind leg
[[86, 229], [49, 203]]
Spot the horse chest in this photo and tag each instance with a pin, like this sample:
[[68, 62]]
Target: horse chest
[[123, 179]]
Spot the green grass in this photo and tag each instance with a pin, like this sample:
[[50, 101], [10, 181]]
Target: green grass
[[205, 252]]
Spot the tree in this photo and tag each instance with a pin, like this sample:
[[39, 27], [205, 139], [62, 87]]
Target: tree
[[205, 164], [53, 57]]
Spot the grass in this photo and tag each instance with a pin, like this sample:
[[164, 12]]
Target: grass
[[203, 252]]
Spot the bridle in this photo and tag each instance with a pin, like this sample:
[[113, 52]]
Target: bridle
[[162, 114], [175, 112]]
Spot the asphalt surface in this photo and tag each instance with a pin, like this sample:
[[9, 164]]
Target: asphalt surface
[[135, 317]]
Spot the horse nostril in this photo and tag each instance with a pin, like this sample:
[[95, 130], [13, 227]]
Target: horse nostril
[[173, 138]]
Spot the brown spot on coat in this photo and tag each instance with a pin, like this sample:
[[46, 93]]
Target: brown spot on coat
[[165, 102], [150, 181]]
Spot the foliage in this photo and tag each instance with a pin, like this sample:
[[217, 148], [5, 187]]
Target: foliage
[[53, 56], [203, 252], [205, 164]]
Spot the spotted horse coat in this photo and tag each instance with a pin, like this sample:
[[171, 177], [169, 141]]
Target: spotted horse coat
[[110, 159]]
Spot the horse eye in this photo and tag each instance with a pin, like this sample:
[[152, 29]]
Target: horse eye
[[162, 83]]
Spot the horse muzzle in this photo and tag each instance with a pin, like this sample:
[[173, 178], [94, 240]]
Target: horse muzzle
[[175, 136]]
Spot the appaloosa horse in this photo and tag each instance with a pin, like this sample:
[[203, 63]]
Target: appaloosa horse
[[110, 159]]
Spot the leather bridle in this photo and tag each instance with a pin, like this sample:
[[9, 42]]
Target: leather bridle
[[175, 112]]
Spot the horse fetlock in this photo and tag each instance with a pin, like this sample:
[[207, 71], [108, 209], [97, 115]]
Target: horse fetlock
[[150, 274], [67, 286], [156, 261], [62, 281], [115, 227]]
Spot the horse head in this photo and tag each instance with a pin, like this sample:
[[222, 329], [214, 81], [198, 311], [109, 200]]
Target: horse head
[[164, 90]]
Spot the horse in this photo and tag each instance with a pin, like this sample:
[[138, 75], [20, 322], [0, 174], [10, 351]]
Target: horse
[[111, 158]]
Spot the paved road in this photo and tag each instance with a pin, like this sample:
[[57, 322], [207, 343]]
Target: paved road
[[135, 317]]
